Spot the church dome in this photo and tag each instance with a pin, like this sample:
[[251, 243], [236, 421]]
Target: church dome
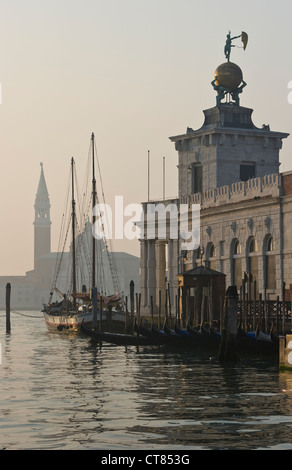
[[228, 75]]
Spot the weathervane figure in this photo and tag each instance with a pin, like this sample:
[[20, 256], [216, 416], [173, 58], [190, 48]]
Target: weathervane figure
[[228, 45]]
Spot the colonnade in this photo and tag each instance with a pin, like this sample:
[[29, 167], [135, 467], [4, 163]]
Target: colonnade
[[159, 269]]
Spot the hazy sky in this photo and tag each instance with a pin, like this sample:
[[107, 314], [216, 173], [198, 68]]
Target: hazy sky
[[134, 72]]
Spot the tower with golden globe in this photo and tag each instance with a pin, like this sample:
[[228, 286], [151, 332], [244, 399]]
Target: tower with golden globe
[[228, 78]]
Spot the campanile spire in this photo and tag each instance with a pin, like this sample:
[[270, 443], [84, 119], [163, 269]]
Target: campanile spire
[[42, 220]]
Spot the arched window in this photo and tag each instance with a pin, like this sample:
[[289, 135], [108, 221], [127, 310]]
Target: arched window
[[237, 248], [212, 251], [271, 244], [253, 246], [270, 264], [198, 256], [197, 178], [211, 256]]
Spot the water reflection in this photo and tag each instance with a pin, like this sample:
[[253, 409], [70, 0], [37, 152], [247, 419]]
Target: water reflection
[[286, 382], [60, 392], [192, 401]]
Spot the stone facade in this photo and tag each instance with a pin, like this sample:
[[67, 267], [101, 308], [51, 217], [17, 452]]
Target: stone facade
[[230, 168], [239, 214], [226, 154]]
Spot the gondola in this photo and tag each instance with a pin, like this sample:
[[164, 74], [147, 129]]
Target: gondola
[[212, 336], [256, 342], [143, 330], [177, 337], [119, 338], [268, 344], [167, 336], [206, 339], [202, 337]]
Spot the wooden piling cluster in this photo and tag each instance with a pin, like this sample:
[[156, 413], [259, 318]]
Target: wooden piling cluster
[[256, 311], [164, 311], [135, 298]]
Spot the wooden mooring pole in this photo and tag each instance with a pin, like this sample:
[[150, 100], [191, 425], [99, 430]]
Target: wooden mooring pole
[[8, 295], [244, 303], [152, 311], [132, 303], [101, 308], [226, 349], [126, 315], [283, 327], [94, 308], [159, 311]]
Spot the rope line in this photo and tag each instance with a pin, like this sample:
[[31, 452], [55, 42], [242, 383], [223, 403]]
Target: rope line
[[23, 314]]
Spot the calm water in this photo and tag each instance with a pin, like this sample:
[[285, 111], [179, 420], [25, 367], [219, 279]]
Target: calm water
[[59, 392]]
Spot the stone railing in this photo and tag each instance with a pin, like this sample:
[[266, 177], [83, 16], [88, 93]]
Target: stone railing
[[268, 185]]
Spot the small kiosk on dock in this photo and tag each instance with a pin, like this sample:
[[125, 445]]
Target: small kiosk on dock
[[201, 295]]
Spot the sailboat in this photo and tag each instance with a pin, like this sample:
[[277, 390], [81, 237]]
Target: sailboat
[[90, 308]]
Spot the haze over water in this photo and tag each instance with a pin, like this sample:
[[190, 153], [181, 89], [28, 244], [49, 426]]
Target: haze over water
[[59, 392]]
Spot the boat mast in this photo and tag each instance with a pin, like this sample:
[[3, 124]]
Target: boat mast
[[73, 238], [93, 205]]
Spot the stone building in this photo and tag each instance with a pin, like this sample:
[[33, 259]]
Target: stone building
[[32, 290], [230, 168]]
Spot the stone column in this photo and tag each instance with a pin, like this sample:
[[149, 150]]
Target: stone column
[[160, 272], [151, 271], [261, 274], [243, 265], [228, 269], [144, 274], [173, 270], [279, 279]]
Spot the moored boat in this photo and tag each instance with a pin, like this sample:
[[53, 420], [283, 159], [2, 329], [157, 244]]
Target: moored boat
[[88, 307], [71, 321], [119, 338], [167, 336], [256, 342], [204, 338]]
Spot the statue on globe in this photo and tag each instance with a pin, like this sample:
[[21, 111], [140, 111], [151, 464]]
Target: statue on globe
[[236, 92], [221, 91], [228, 80]]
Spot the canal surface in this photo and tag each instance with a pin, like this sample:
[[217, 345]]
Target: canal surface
[[59, 392]]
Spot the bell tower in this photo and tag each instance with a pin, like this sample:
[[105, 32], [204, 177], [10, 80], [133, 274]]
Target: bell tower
[[42, 221]]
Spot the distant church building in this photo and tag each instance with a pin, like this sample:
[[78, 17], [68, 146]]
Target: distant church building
[[32, 290], [230, 168]]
